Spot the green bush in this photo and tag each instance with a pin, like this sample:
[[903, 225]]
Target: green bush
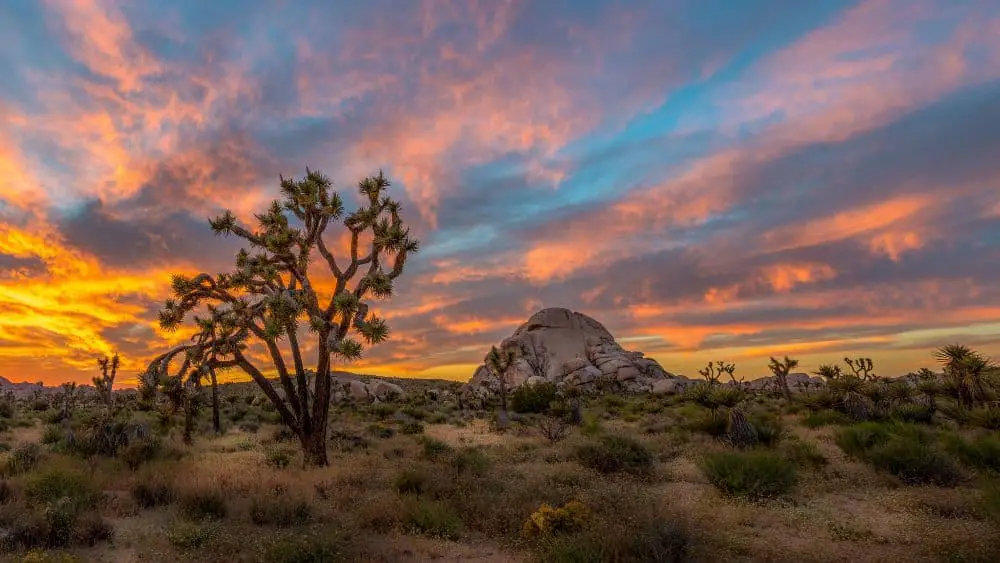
[[279, 458], [7, 409], [411, 481], [714, 423], [769, 430], [901, 450], [911, 412], [985, 417], [431, 518], [54, 485], [804, 454], [750, 474], [23, 458], [381, 431], [614, 454], [655, 541], [533, 398], [411, 427], [91, 529], [434, 448], [139, 451], [307, 548], [819, 418], [153, 490], [982, 453], [914, 463], [188, 536], [472, 460], [207, 504], [52, 435], [281, 511]]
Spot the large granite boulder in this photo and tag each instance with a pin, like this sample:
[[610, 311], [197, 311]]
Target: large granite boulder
[[571, 350]]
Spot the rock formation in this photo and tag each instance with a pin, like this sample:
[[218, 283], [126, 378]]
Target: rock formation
[[571, 350]]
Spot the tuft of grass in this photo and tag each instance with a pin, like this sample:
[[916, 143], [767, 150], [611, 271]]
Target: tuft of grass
[[278, 458], [911, 412], [804, 454], [48, 487], [205, 504], [411, 481], [191, 536], [657, 541], [311, 547], [431, 518], [750, 474], [471, 460], [23, 458], [281, 511], [433, 448], [982, 452], [901, 450], [153, 490], [614, 454], [826, 417]]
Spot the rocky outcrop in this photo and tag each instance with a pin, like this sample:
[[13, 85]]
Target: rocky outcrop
[[571, 350], [360, 390]]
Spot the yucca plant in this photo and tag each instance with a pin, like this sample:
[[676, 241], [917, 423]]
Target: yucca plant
[[780, 369], [966, 370]]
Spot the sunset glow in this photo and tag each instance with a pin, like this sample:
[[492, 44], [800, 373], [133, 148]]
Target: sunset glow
[[715, 180]]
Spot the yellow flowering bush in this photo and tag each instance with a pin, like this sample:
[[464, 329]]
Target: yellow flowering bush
[[549, 521]]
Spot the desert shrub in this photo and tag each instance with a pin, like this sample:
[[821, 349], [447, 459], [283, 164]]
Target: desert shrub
[[54, 485], [914, 462], [91, 529], [591, 425], [52, 435], [414, 412], [433, 448], [548, 521], [815, 419], [817, 401], [188, 536], [250, 426], [655, 541], [348, 442], [23, 458], [307, 548], [431, 518], [283, 434], [990, 501], [912, 412], [471, 460], [552, 428], [986, 417], [614, 454], [7, 409], [48, 556], [533, 398], [139, 451], [750, 474], [804, 454], [769, 430], [40, 404], [411, 481], [901, 451], [103, 436], [278, 458], [7, 492], [714, 423], [247, 444], [982, 453], [381, 431], [282, 511], [382, 411], [205, 504], [411, 427], [153, 490], [855, 440]]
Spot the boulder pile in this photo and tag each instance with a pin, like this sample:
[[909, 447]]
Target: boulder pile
[[571, 350]]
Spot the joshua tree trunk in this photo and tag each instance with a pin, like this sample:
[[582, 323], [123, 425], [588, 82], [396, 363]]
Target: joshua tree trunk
[[216, 422], [314, 448], [783, 381]]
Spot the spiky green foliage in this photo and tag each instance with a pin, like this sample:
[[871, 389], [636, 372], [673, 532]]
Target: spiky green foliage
[[270, 297], [829, 372], [781, 369], [966, 370]]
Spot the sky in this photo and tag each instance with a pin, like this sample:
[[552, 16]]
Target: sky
[[710, 179]]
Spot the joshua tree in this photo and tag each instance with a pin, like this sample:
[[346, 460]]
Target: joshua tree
[[967, 370], [499, 362], [271, 295], [862, 367], [105, 383], [713, 372], [828, 372], [148, 387], [780, 371], [68, 401]]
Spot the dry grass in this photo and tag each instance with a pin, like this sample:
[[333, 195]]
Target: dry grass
[[475, 493]]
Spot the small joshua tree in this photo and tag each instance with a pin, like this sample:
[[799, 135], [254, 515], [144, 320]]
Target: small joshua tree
[[713, 372], [499, 362], [863, 368], [106, 382], [271, 299], [781, 369]]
